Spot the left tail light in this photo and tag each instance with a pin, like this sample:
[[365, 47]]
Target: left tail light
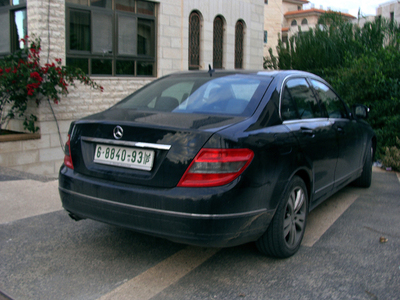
[[67, 152], [215, 167]]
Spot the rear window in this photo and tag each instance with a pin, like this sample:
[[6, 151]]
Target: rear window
[[229, 95]]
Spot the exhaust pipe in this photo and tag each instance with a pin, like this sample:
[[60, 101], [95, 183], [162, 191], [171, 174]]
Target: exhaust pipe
[[74, 217]]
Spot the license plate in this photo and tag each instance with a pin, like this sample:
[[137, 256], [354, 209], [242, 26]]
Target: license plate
[[134, 158]]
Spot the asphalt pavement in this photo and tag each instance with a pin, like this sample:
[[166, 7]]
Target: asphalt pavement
[[350, 251]]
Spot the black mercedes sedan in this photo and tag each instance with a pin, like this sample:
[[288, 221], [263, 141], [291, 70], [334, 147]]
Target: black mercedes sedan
[[218, 158]]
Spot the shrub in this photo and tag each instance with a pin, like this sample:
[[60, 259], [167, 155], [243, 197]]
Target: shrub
[[391, 158], [22, 77]]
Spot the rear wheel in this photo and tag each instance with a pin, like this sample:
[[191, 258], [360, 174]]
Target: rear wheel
[[366, 176], [285, 233]]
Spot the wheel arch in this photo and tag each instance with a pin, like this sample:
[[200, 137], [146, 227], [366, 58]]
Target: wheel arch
[[305, 175]]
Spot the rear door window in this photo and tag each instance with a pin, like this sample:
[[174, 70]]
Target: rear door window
[[298, 101], [330, 102]]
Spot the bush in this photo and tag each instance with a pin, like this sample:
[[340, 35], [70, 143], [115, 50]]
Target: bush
[[391, 158], [22, 77]]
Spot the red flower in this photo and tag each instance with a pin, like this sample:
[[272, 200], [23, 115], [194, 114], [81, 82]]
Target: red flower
[[36, 76], [7, 70]]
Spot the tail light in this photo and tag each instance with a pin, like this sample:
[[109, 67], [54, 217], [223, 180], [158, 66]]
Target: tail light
[[67, 151], [215, 167]]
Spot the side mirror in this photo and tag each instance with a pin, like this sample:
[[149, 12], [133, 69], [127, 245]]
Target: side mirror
[[360, 111]]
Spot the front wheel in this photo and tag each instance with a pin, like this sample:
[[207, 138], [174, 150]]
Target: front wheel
[[285, 233]]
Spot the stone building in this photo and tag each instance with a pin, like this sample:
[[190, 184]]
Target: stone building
[[122, 45], [389, 10]]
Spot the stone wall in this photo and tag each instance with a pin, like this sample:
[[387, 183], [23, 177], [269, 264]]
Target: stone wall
[[384, 10], [273, 19]]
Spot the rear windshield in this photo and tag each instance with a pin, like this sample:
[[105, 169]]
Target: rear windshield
[[230, 95]]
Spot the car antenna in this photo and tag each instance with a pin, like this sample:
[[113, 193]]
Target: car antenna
[[210, 70]]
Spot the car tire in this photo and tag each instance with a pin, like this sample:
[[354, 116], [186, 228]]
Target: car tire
[[366, 176], [286, 230]]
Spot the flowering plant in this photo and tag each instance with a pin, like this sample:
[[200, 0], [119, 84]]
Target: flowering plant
[[22, 77]]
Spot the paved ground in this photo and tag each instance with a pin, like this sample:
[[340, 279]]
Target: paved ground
[[46, 255]]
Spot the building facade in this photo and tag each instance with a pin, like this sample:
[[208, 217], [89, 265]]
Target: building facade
[[389, 10], [122, 45]]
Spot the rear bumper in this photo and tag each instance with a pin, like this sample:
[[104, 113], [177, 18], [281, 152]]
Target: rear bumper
[[214, 217]]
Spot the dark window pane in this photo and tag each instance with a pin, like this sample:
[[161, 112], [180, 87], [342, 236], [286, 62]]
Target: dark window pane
[[4, 32], [125, 5], [20, 30], [125, 67], [102, 33], [218, 43], [101, 67], [126, 35], [288, 107], [81, 63], [145, 37], [329, 101], [294, 23], [101, 3], [145, 8], [194, 41], [4, 3], [145, 69], [239, 37], [303, 100], [80, 2], [79, 33]]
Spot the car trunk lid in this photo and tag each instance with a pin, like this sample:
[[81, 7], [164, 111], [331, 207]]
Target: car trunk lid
[[168, 141]]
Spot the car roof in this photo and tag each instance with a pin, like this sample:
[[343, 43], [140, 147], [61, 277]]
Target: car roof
[[261, 73]]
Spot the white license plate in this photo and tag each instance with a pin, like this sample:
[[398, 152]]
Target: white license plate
[[134, 158]]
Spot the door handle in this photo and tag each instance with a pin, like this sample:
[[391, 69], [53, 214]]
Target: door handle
[[340, 130], [307, 131]]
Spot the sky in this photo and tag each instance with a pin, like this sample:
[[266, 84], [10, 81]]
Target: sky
[[368, 7]]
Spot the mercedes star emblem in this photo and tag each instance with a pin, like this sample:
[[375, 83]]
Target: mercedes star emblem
[[118, 132]]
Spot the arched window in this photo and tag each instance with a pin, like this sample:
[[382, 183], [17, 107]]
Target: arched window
[[218, 42], [194, 41], [304, 22], [239, 37], [294, 23]]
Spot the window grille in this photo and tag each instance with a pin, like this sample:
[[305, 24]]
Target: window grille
[[194, 41], [239, 37], [218, 43]]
